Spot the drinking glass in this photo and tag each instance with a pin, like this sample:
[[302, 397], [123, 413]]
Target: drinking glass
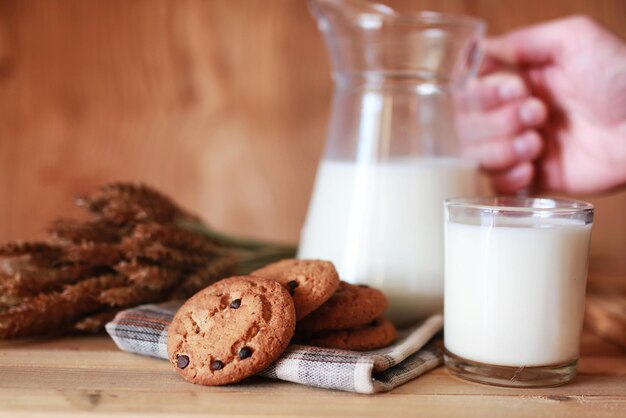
[[515, 277]]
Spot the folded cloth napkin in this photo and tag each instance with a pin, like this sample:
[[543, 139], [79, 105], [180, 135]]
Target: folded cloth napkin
[[143, 330]]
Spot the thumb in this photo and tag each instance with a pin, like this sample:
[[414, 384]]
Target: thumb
[[537, 44]]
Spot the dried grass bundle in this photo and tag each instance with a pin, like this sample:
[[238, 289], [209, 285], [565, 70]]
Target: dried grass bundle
[[137, 246]]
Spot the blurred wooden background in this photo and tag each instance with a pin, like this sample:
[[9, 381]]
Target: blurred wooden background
[[223, 104]]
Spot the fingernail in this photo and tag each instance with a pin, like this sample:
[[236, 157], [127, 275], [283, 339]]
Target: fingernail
[[530, 112], [520, 147], [511, 90], [518, 173]]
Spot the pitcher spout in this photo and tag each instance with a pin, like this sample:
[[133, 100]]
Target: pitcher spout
[[365, 38], [338, 14]]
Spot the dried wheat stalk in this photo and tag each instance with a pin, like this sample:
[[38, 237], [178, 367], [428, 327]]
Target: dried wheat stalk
[[136, 247]]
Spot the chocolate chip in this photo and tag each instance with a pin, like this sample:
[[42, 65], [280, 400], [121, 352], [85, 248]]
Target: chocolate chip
[[217, 365], [235, 303], [291, 286], [182, 361], [245, 352]]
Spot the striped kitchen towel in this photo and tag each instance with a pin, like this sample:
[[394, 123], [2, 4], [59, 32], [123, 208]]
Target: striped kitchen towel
[[143, 330]]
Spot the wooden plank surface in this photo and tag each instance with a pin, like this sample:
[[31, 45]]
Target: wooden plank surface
[[80, 375]]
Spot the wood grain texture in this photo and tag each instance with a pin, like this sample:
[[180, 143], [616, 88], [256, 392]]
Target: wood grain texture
[[605, 315], [80, 375], [222, 104]]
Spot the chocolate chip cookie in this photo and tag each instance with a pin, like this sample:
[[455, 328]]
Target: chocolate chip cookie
[[380, 333], [231, 330], [310, 282], [351, 306]]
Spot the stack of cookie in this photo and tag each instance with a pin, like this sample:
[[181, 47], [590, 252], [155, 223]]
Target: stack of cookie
[[240, 325], [331, 313]]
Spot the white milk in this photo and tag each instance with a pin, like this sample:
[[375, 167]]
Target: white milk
[[514, 294], [382, 224]]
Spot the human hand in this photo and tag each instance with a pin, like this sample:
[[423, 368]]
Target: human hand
[[558, 120]]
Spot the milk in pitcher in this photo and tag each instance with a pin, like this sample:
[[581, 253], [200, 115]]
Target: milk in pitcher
[[382, 224]]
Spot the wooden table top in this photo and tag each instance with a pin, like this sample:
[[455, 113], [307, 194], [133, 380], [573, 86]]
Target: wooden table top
[[78, 376]]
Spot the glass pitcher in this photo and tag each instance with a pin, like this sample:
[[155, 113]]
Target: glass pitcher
[[391, 156]]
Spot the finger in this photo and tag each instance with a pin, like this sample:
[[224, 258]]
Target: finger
[[492, 64], [506, 120], [505, 153], [537, 44], [490, 91], [514, 179], [489, 65]]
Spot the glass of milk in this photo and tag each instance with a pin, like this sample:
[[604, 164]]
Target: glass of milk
[[515, 276], [391, 154]]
